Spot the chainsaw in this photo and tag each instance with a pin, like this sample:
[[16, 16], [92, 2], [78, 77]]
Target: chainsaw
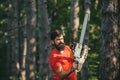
[[81, 50]]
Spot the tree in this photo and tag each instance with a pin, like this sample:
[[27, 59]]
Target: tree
[[44, 39], [109, 63], [118, 13], [84, 71], [13, 46], [74, 19], [30, 24]]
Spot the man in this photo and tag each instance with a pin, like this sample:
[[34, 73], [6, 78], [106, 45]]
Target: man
[[61, 58]]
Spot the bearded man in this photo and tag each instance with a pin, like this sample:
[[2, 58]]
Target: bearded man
[[61, 58]]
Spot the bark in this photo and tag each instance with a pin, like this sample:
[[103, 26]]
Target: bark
[[13, 17], [23, 54], [16, 40], [44, 39], [119, 13], [30, 11], [84, 71], [74, 19], [9, 21], [109, 63]]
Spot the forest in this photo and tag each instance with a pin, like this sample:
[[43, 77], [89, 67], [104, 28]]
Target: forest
[[25, 45]]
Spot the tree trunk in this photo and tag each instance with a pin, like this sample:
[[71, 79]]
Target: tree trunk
[[9, 47], [30, 37], [74, 20], [109, 63], [23, 51], [44, 39], [119, 13], [13, 43], [16, 40], [84, 71]]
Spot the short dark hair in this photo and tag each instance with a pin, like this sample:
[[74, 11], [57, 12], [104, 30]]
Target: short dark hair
[[55, 34]]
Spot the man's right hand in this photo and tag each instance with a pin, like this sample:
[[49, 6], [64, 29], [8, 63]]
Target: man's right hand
[[75, 65]]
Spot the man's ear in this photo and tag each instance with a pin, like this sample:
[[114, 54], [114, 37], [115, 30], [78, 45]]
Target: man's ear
[[52, 42]]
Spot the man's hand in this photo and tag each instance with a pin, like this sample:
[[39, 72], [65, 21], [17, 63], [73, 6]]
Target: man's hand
[[75, 65], [72, 45], [63, 74], [83, 57]]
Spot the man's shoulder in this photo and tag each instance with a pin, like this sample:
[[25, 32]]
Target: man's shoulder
[[53, 52], [67, 47]]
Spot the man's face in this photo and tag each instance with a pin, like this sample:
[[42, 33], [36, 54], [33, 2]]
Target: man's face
[[59, 43]]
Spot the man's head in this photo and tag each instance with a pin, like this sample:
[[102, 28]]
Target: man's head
[[57, 40]]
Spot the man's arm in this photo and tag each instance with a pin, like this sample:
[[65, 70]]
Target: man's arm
[[63, 74]]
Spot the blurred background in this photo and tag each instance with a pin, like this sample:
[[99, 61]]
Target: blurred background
[[25, 27]]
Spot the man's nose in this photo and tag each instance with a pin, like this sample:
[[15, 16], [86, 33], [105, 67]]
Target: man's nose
[[61, 40]]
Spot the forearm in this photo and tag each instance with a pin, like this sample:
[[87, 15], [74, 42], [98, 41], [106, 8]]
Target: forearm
[[64, 74]]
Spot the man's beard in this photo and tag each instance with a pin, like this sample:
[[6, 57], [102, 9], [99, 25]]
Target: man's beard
[[60, 46]]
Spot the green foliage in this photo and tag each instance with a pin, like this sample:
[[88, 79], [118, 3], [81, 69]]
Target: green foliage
[[93, 62], [3, 22], [3, 61], [3, 26], [59, 13]]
